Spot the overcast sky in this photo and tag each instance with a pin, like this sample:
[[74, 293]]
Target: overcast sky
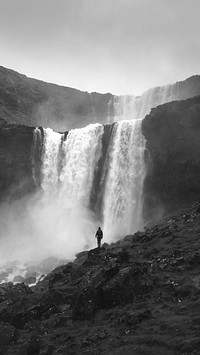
[[118, 46]]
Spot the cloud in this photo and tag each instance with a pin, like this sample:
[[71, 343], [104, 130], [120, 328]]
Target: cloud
[[121, 46]]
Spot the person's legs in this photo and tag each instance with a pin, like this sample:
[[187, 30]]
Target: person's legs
[[99, 242]]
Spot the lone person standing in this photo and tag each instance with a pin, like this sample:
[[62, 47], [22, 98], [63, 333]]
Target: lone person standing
[[99, 236]]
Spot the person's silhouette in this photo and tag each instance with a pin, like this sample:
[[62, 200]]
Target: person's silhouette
[[99, 236]]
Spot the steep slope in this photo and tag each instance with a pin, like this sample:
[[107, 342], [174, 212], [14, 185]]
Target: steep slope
[[35, 103], [138, 296]]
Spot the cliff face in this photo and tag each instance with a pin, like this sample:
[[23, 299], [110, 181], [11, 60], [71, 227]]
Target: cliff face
[[36, 103], [15, 161], [172, 158], [172, 132]]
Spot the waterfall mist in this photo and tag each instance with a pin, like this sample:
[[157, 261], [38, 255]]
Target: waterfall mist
[[56, 220], [41, 226]]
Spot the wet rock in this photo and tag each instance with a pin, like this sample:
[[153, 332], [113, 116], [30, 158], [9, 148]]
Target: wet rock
[[81, 258], [194, 259], [186, 289], [105, 246], [81, 254], [8, 333], [128, 239], [129, 283], [132, 318], [87, 303], [8, 291], [33, 345]]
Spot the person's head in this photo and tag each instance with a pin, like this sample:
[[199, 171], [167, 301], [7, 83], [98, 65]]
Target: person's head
[[99, 228]]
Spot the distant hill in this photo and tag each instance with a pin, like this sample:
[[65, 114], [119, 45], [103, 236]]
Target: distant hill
[[35, 103]]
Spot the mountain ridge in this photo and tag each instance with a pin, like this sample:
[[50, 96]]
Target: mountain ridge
[[33, 102]]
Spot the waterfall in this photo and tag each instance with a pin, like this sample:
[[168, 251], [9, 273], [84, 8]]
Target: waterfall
[[65, 222], [123, 189], [109, 116], [69, 168], [71, 164], [130, 107], [35, 153], [125, 108], [82, 150], [154, 97], [50, 166]]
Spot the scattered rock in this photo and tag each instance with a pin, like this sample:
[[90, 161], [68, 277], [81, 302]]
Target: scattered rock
[[137, 296]]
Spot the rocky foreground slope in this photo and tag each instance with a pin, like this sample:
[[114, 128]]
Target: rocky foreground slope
[[138, 296]]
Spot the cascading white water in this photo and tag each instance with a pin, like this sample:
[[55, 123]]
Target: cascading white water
[[130, 107], [125, 161], [126, 171], [125, 108], [37, 139], [82, 150], [67, 177], [50, 166], [154, 97]]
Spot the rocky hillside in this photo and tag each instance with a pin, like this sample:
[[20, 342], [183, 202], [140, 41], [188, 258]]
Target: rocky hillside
[[138, 296], [172, 132], [35, 103]]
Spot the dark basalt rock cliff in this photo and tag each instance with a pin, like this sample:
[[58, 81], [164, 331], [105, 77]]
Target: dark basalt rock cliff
[[35, 103], [172, 132], [16, 178]]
